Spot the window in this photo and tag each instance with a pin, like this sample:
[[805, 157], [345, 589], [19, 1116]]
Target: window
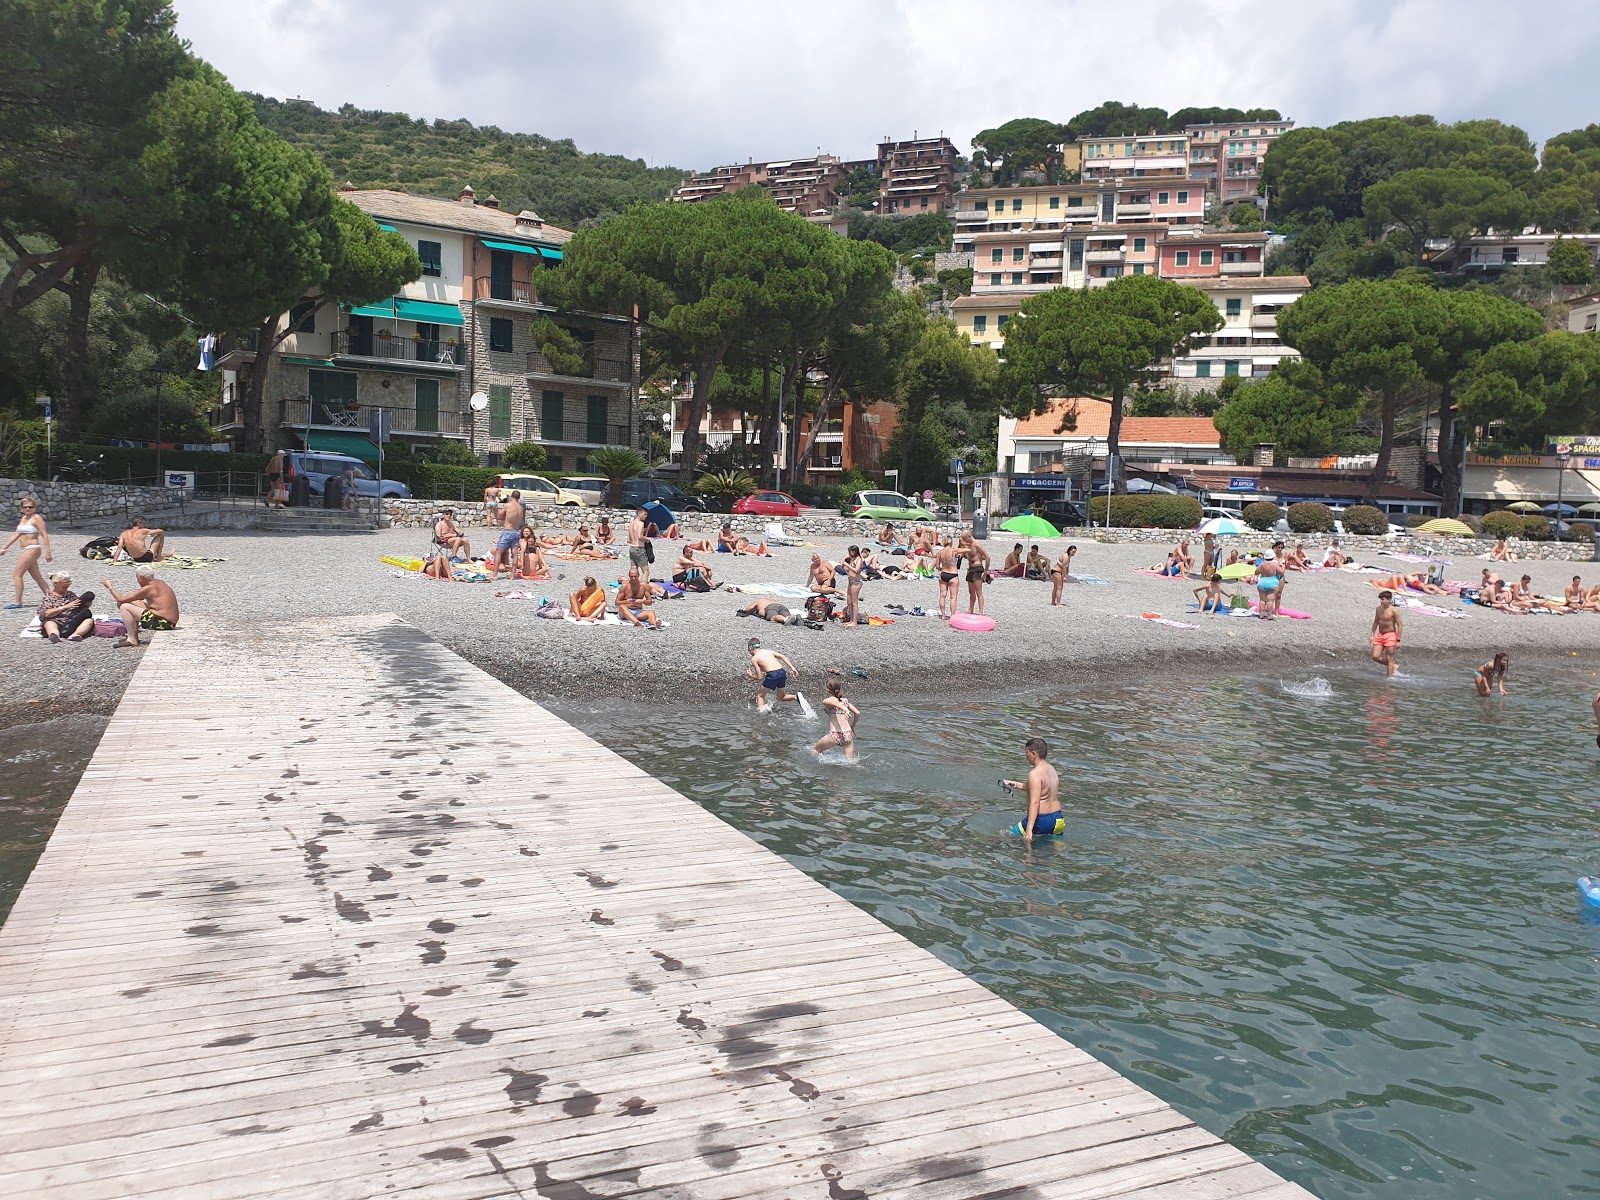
[[303, 317], [980, 323], [1016, 254], [1183, 197], [596, 432], [1108, 209], [981, 205], [331, 392], [552, 419], [1055, 201], [1005, 319], [432, 256], [1510, 254], [1127, 149], [1016, 277], [995, 279], [1074, 201], [500, 275], [1203, 369], [1205, 257], [1138, 268], [997, 255], [1181, 258], [1231, 367], [500, 333], [427, 405], [500, 410], [553, 462], [1232, 307], [1138, 243], [1075, 255], [1016, 205], [1163, 197]]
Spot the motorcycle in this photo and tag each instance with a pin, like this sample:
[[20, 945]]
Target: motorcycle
[[80, 470]]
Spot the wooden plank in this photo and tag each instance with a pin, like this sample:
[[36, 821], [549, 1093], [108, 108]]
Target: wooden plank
[[361, 950]]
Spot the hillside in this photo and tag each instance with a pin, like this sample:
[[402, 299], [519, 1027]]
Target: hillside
[[382, 149]]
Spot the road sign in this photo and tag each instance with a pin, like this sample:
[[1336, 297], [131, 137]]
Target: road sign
[[958, 466], [378, 424]]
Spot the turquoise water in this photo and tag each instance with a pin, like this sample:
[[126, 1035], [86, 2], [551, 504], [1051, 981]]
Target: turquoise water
[[1335, 921]]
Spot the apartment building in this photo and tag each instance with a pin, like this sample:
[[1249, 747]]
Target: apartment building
[[1583, 315], [1098, 150], [983, 316], [719, 180], [1192, 255], [854, 435], [1110, 252], [1487, 256], [917, 176], [1023, 260], [1247, 344], [1225, 157], [464, 328], [802, 185]]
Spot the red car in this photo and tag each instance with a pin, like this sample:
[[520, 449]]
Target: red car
[[768, 504]]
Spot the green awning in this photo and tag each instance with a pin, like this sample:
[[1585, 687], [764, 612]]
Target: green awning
[[428, 312], [387, 228], [514, 247], [383, 310], [552, 255], [337, 441]]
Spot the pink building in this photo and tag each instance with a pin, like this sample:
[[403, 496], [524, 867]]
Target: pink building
[[1192, 255]]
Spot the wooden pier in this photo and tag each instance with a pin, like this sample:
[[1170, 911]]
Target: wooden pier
[[333, 913]]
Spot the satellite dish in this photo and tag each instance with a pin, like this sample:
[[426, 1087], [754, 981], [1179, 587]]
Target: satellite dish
[[479, 401]]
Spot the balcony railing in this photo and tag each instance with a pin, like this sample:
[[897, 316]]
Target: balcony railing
[[400, 348], [579, 433], [1241, 268], [294, 412], [1105, 255], [517, 291], [231, 343]]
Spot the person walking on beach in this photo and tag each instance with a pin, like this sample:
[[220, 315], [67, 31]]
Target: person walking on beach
[[770, 670], [1492, 672], [944, 562], [1044, 793], [638, 547], [977, 564], [511, 519], [34, 540], [842, 717], [1386, 632]]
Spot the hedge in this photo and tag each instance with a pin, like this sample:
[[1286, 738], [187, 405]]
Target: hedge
[[1363, 518], [1147, 509], [1310, 517], [1501, 524], [120, 462], [1261, 515], [1580, 531], [1537, 529]]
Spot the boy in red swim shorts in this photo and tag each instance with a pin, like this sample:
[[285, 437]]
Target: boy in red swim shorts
[[1386, 632]]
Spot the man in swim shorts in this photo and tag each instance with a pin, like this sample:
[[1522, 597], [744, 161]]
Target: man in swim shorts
[[1044, 794], [1386, 632], [153, 607], [638, 547], [770, 670], [769, 610], [141, 544], [511, 520]]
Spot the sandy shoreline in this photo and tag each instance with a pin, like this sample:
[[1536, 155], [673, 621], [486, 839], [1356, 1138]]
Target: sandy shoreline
[[1097, 636]]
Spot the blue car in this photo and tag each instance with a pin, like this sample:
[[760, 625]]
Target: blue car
[[318, 465]]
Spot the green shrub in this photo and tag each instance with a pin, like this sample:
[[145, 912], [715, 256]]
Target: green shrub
[[436, 481], [1416, 519], [1500, 524], [1310, 517], [1363, 518], [826, 495], [733, 484], [1580, 531], [122, 462], [1261, 515], [1147, 509], [524, 456], [1537, 529]]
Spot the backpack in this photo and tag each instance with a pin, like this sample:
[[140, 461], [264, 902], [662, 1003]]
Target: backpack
[[102, 549], [819, 608]]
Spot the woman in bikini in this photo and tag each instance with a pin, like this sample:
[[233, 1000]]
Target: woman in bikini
[[852, 568], [841, 722], [34, 540], [529, 559], [603, 533], [1492, 673], [1059, 574]]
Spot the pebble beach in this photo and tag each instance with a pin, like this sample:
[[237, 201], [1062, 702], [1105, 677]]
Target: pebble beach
[[1099, 634]]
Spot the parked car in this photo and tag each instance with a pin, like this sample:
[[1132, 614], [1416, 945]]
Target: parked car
[[886, 506], [642, 491], [535, 489], [1063, 514], [768, 504], [1139, 487], [591, 487], [1207, 511], [317, 466]]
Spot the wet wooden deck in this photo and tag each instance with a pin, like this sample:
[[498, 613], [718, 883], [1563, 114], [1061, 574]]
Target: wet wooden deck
[[335, 914]]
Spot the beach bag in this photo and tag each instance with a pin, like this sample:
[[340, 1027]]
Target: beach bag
[[649, 551], [819, 608], [101, 549], [553, 611], [1238, 602], [694, 580]]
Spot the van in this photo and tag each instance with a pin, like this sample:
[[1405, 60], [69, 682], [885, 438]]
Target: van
[[318, 465]]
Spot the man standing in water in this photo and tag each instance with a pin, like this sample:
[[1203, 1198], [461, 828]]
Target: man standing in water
[[1597, 718], [1044, 794], [1386, 632], [770, 670]]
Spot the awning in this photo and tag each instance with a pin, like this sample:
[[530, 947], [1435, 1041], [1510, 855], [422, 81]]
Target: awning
[[1277, 297], [514, 247], [427, 312], [337, 441], [383, 310], [551, 255], [1509, 484], [387, 228], [1044, 247]]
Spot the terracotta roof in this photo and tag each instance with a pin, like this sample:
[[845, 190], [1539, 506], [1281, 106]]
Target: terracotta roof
[[476, 219], [1094, 420]]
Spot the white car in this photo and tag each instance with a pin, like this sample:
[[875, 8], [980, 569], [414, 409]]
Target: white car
[[591, 487]]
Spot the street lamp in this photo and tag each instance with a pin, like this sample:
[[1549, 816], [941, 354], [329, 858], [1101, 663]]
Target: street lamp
[[1561, 476], [159, 374]]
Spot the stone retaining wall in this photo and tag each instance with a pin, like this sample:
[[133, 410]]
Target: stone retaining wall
[[1362, 548], [69, 503]]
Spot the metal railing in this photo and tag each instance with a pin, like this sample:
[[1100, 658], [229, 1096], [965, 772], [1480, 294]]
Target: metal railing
[[579, 433], [398, 348], [295, 411]]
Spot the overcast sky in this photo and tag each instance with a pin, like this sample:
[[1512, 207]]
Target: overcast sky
[[703, 82]]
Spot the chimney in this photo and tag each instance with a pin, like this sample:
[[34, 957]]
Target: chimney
[[529, 221], [468, 196], [491, 201], [1263, 455], [347, 186]]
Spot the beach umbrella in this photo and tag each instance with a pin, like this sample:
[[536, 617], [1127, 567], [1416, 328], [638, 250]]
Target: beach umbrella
[[1238, 570], [1591, 507], [1029, 526], [1447, 526], [1524, 506], [1221, 525], [1560, 510], [659, 515]]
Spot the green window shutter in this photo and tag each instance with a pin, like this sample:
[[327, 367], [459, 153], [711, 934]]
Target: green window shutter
[[1233, 308], [552, 416], [1202, 369], [1232, 367], [427, 406], [597, 420], [500, 410]]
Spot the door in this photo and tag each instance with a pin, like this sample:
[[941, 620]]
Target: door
[[597, 421], [500, 274], [360, 335], [427, 404], [428, 345]]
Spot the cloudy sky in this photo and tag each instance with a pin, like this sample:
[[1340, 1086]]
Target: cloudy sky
[[695, 83]]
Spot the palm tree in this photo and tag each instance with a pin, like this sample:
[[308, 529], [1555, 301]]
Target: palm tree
[[616, 463]]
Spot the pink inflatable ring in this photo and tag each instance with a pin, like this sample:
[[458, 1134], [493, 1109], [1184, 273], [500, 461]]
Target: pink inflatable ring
[[972, 622]]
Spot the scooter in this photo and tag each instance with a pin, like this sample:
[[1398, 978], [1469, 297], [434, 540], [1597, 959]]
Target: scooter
[[80, 470]]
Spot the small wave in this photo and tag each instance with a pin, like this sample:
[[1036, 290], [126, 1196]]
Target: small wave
[[1316, 688]]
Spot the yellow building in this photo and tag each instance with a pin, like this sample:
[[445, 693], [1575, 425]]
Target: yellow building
[[983, 319], [1135, 146]]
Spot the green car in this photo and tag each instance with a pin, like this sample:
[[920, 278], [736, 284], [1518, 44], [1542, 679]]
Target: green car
[[887, 506]]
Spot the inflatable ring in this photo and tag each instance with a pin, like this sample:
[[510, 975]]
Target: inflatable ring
[[1590, 890], [972, 622]]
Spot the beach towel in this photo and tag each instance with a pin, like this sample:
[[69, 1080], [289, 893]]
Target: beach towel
[[1158, 619], [791, 591], [1414, 558], [1412, 605], [185, 562], [522, 596], [1092, 580], [1157, 574], [1226, 612], [106, 627], [609, 618]]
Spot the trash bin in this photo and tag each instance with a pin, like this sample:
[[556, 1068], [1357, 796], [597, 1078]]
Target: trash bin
[[300, 492], [1594, 555], [333, 493], [980, 525]]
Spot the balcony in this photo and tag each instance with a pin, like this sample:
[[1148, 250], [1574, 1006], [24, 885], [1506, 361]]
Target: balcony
[[398, 348], [578, 433], [230, 344], [499, 288], [597, 369], [1241, 268], [971, 214], [1263, 320], [295, 413], [1105, 254]]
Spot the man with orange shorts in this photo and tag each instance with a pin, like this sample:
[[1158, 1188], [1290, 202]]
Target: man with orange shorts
[[1386, 632]]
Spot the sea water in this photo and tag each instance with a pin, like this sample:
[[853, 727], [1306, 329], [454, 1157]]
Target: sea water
[[1331, 917]]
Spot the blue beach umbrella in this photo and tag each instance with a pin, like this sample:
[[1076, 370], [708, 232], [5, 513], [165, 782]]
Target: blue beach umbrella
[[1561, 510], [659, 515], [1220, 526]]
